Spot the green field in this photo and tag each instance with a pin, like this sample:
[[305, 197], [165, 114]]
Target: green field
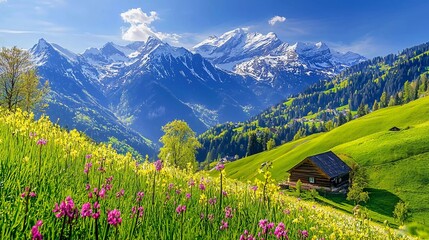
[[397, 162]]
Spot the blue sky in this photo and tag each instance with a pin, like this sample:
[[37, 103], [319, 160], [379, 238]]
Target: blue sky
[[368, 27]]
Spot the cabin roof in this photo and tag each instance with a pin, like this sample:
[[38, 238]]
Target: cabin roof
[[330, 164]]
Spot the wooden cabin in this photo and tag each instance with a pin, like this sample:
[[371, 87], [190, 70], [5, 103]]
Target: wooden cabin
[[325, 170]]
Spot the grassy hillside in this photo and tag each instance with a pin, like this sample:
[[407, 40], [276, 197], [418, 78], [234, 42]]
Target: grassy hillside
[[397, 162], [61, 185]]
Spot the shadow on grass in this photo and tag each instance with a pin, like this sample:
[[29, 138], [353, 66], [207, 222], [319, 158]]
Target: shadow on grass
[[380, 201]]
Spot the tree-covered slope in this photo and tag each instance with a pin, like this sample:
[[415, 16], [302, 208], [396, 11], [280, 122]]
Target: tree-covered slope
[[374, 84], [397, 162]]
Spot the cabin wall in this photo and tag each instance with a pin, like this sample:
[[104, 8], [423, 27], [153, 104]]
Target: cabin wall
[[306, 170]]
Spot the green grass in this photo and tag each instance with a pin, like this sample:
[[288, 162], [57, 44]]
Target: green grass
[[397, 162]]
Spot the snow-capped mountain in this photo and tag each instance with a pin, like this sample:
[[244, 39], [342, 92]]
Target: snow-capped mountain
[[167, 82], [76, 100], [142, 86], [286, 67], [132, 91], [236, 46]]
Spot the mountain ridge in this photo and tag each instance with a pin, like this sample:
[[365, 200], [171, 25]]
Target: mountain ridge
[[144, 85]]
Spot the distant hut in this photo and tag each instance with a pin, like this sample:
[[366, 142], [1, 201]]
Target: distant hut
[[325, 170], [394, 129]]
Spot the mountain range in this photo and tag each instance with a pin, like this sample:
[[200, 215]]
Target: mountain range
[[131, 91]]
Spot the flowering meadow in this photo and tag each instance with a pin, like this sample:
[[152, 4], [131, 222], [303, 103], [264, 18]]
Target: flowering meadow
[[56, 184]]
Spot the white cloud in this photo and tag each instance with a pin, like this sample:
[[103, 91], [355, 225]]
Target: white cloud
[[276, 19], [2, 1], [141, 28]]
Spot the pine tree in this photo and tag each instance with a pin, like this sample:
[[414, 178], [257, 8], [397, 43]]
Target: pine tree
[[383, 100], [252, 146], [375, 106]]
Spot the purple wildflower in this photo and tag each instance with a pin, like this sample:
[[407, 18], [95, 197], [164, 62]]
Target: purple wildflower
[[42, 142], [35, 233], [140, 196], [137, 210], [228, 212], [114, 217], [158, 165], [246, 236], [223, 225], [281, 231], [304, 233], [191, 182], [66, 208], [120, 193], [180, 209], [87, 167], [212, 201], [102, 193], [86, 210], [219, 167]]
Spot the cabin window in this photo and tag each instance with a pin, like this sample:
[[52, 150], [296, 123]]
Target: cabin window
[[311, 179]]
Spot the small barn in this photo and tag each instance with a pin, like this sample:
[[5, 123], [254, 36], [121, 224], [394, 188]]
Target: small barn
[[325, 170]]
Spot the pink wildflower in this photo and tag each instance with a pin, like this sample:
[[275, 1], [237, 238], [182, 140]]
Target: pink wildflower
[[265, 225], [202, 186], [87, 167], [180, 209], [140, 196], [223, 225], [42, 142], [280, 231], [137, 210], [304, 233], [86, 210], [219, 167], [35, 233], [254, 188], [114, 217], [246, 236], [88, 156], [191, 182], [158, 165], [28, 193], [66, 208], [102, 193], [212, 201], [228, 212], [96, 215], [120, 193], [109, 180], [188, 195]]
